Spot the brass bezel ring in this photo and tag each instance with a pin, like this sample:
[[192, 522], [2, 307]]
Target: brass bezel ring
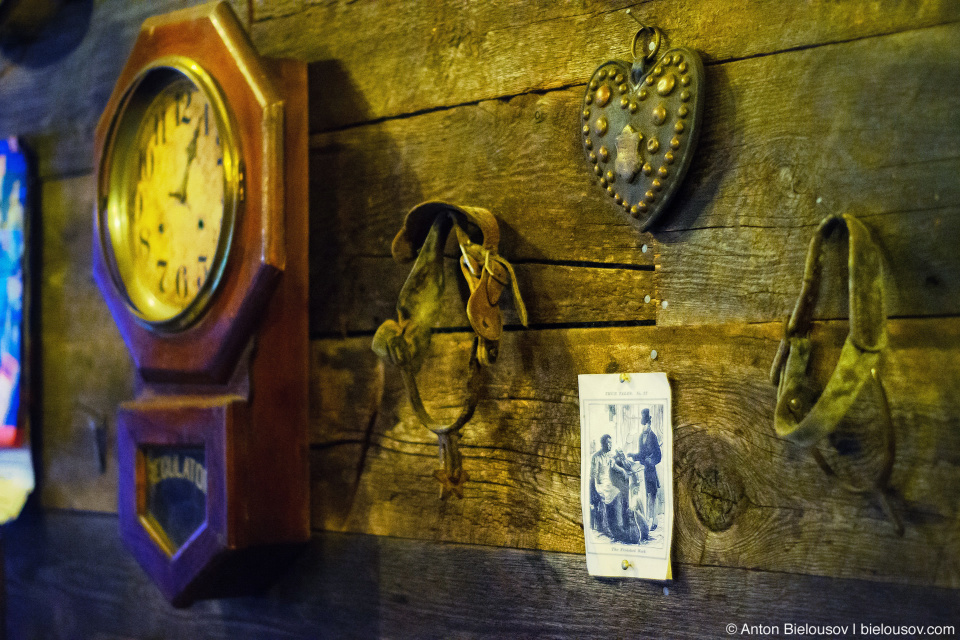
[[114, 180]]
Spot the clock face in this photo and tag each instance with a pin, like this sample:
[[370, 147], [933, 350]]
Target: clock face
[[170, 207], [176, 198]]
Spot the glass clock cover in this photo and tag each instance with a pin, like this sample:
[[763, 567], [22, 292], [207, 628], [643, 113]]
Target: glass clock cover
[[176, 493], [170, 206]]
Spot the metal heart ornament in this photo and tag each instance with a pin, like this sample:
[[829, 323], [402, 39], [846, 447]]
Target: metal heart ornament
[[640, 127]]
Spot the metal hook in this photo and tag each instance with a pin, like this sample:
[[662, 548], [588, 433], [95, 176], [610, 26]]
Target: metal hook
[[97, 424], [630, 13], [652, 46]]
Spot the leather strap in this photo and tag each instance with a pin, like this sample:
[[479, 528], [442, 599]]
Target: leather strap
[[806, 420], [405, 341], [861, 350]]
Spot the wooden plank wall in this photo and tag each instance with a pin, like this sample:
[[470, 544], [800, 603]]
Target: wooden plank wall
[[812, 108], [75, 580]]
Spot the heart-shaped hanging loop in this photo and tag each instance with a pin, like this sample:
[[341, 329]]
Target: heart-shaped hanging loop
[[640, 124]]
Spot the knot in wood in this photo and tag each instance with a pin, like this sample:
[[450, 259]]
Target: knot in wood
[[717, 496]]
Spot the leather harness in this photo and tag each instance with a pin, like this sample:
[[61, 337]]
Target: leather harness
[[794, 419], [405, 341]]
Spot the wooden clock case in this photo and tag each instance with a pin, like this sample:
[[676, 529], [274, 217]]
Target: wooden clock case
[[235, 381]]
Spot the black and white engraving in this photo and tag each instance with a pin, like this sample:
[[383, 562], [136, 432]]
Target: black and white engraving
[[626, 500], [626, 467]]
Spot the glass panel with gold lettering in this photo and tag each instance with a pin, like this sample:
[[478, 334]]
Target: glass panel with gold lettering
[[174, 504]]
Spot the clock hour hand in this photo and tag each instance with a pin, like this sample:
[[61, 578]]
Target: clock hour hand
[[181, 194]]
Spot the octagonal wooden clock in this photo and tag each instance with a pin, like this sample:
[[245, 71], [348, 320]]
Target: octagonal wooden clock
[[200, 252]]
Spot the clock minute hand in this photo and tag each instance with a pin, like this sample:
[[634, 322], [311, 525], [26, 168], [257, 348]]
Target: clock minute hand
[[181, 194]]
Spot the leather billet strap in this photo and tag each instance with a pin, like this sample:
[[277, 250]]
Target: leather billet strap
[[860, 353], [406, 341], [794, 417]]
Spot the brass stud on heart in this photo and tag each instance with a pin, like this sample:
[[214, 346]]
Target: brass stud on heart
[[642, 118]]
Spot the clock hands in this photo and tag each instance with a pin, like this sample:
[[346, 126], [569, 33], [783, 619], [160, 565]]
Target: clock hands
[[181, 195]]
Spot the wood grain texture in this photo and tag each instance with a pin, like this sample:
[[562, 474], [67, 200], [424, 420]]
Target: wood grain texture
[[519, 158], [876, 137], [866, 127], [462, 54], [365, 292], [448, 53], [351, 586], [812, 108], [85, 368], [373, 461]]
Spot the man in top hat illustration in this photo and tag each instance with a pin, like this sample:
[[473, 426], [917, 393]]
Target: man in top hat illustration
[[649, 456]]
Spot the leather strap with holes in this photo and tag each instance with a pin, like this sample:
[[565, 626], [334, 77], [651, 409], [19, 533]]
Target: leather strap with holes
[[799, 416]]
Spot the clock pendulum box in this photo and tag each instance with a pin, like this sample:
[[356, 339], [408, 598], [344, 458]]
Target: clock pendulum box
[[213, 451]]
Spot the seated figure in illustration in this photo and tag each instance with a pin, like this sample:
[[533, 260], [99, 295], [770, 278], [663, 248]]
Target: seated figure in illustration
[[609, 496], [606, 497]]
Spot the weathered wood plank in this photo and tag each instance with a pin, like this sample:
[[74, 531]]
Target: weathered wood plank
[[69, 577], [520, 158], [85, 367], [749, 273], [364, 587], [867, 127], [377, 60], [55, 87], [770, 166], [562, 45], [365, 292], [373, 461]]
